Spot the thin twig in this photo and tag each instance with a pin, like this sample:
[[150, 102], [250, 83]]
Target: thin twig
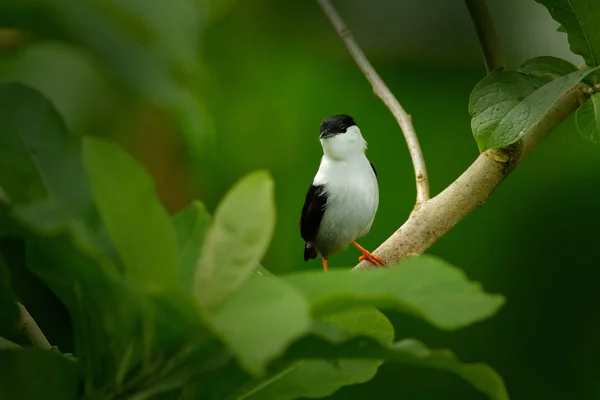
[[488, 40], [30, 329], [383, 92]]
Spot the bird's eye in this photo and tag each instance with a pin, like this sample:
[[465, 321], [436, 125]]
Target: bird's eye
[[343, 128]]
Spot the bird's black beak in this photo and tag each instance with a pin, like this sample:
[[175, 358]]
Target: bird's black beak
[[326, 134]]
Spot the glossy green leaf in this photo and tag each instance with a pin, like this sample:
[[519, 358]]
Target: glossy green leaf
[[260, 320], [424, 286], [237, 239], [33, 374], [407, 351], [191, 225], [579, 19], [547, 66], [588, 119], [321, 378], [138, 224], [505, 105]]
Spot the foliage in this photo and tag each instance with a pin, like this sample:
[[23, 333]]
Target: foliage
[[579, 19], [588, 119], [178, 306], [140, 332], [234, 227], [505, 105]]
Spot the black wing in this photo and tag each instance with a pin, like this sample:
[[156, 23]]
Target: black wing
[[312, 212], [374, 170]]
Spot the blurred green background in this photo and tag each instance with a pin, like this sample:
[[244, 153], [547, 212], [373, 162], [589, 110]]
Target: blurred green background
[[203, 92]]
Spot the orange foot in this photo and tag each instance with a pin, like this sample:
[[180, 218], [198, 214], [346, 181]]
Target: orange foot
[[367, 255], [324, 264]]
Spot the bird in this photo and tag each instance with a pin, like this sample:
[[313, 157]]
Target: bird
[[342, 200]]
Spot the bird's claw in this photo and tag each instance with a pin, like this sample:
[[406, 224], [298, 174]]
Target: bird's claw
[[372, 258]]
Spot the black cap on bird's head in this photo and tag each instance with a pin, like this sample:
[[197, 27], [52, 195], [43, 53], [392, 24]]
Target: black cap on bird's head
[[335, 125]]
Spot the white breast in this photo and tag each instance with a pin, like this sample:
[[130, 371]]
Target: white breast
[[352, 200]]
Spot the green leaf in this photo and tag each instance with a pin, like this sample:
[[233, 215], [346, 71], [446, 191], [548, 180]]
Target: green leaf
[[546, 66], [407, 351], [588, 119], [40, 162], [191, 225], [33, 374], [321, 378], [480, 376], [262, 271], [424, 286], [260, 320], [237, 239], [32, 132], [580, 19], [138, 224], [505, 105], [41, 170]]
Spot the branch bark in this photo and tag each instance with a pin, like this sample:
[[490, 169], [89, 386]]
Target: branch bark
[[30, 329], [383, 92]]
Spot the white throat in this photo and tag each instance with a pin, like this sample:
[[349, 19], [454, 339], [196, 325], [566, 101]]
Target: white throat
[[345, 146]]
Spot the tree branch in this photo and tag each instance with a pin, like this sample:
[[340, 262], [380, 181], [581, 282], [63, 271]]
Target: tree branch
[[383, 92], [433, 219], [31, 330], [488, 40]]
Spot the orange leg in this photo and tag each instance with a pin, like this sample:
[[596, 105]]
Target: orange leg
[[367, 255], [324, 264]]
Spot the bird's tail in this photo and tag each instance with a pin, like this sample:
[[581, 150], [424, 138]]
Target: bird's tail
[[309, 251]]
